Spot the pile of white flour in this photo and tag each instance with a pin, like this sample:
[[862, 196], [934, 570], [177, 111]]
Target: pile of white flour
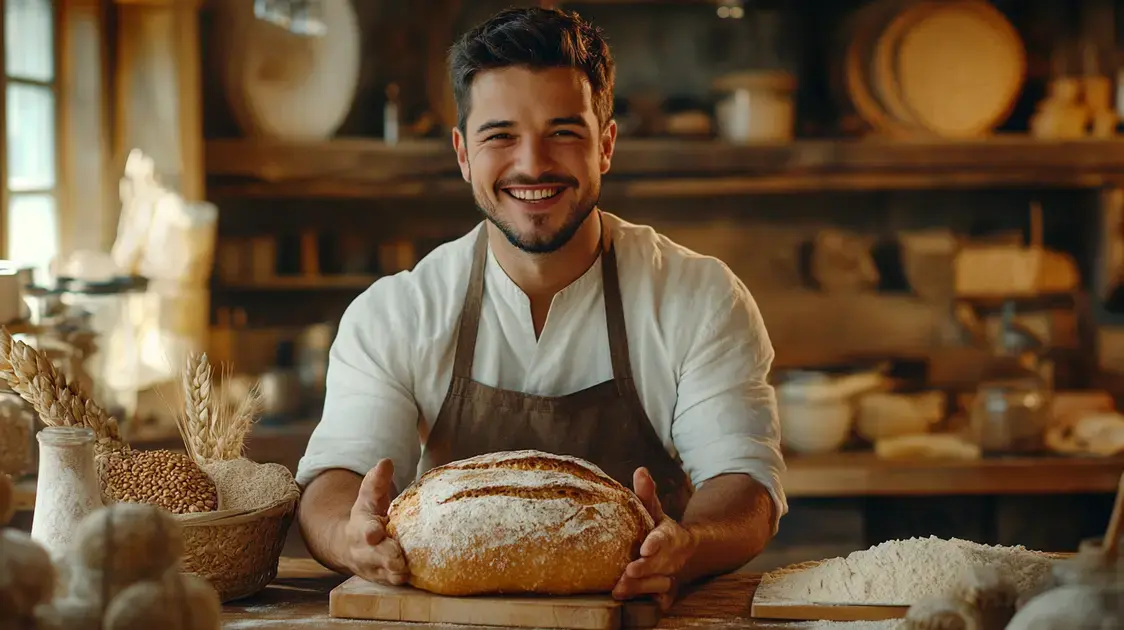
[[903, 572]]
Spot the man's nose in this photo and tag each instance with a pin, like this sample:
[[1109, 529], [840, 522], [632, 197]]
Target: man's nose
[[533, 157]]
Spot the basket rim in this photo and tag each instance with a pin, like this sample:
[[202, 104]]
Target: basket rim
[[281, 507]]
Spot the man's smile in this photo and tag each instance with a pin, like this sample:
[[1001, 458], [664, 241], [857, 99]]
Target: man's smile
[[536, 196]]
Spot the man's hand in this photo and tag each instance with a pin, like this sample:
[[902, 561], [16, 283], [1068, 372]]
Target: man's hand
[[373, 555], [664, 553]]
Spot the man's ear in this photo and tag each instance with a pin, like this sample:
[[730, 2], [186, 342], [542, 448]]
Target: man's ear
[[608, 143], [461, 149]]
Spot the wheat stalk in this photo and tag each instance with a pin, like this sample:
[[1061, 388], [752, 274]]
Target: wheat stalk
[[209, 429], [32, 375]]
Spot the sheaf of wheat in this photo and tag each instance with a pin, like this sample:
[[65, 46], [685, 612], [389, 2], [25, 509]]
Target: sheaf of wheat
[[32, 375]]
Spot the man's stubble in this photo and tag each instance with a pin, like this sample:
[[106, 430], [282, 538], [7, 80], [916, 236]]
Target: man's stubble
[[574, 219]]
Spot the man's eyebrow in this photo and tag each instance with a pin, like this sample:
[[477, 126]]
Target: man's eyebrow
[[569, 120], [494, 124]]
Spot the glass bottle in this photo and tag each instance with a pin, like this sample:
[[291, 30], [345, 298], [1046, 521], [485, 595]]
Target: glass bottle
[[67, 488]]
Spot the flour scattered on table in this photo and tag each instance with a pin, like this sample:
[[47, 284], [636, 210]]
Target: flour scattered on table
[[889, 624], [903, 572]]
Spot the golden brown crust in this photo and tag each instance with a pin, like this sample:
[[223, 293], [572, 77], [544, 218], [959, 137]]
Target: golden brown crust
[[518, 522]]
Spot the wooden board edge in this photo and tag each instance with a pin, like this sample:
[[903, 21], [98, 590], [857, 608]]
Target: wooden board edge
[[825, 612], [634, 615]]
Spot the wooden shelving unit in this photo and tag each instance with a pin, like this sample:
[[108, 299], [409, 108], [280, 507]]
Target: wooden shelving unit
[[367, 168]]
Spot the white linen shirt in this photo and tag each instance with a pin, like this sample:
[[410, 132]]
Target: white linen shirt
[[699, 351]]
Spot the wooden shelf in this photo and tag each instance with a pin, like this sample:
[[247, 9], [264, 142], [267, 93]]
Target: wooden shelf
[[366, 168], [302, 283], [862, 474]]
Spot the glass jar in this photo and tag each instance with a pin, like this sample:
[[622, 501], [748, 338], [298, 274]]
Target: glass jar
[[17, 437], [67, 488], [1012, 407], [1010, 415]]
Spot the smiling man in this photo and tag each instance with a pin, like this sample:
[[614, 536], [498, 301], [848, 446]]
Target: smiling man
[[555, 326]]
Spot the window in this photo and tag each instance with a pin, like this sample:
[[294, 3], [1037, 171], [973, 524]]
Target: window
[[30, 226]]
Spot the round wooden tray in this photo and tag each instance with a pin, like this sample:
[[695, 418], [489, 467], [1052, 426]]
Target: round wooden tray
[[905, 79], [957, 67]]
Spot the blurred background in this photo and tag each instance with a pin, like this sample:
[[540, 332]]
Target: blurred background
[[923, 196]]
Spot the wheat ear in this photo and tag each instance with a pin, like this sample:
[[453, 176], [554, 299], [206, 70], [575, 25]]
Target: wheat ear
[[234, 425], [31, 375], [198, 417]]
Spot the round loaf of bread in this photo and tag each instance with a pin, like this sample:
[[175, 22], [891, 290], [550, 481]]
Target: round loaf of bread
[[517, 522]]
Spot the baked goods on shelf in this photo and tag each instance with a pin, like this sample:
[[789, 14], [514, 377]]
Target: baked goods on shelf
[[517, 522]]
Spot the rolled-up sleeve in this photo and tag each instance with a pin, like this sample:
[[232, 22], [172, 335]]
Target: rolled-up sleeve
[[369, 409], [726, 411]]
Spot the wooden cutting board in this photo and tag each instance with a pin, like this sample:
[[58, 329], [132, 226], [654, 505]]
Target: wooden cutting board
[[764, 607], [359, 599], [800, 611]]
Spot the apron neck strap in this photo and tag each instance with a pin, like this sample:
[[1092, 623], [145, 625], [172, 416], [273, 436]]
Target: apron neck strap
[[470, 314], [469, 327]]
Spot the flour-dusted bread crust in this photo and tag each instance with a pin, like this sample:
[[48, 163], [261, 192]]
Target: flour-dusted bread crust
[[518, 522]]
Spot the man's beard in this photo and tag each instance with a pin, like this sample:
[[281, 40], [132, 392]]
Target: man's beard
[[548, 243]]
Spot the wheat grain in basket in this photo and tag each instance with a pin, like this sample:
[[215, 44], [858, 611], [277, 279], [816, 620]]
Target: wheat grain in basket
[[235, 512]]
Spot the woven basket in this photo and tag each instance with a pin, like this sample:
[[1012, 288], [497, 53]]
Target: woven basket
[[237, 551]]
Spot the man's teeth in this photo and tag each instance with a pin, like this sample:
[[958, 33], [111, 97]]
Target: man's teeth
[[537, 194]]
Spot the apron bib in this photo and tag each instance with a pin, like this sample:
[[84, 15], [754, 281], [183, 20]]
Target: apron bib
[[604, 424]]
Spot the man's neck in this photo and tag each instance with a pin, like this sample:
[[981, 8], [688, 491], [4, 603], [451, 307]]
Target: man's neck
[[541, 276]]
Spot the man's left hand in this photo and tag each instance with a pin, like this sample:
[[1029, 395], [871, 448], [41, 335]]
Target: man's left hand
[[664, 553]]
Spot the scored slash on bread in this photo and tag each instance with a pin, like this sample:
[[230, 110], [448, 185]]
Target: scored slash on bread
[[517, 522]]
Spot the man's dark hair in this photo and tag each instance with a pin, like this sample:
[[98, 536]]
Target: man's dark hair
[[535, 38]]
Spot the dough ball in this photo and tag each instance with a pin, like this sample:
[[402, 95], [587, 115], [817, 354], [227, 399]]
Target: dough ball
[[129, 542], [1066, 608], [68, 614], [990, 595], [202, 607], [178, 601], [141, 606], [27, 577], [940, 613]]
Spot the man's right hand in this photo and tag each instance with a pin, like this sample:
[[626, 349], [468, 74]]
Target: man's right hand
[[372, 554]]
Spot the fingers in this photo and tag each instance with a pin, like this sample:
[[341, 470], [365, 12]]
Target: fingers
[[645, 488], [374, 531], [376, 490], [634, 587], [658, 539], [646, 567], [384, 563]]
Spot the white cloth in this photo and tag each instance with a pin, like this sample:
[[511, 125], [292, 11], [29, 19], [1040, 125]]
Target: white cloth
[[699, 351]]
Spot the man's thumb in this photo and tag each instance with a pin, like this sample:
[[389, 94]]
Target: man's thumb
[[376, 489], [645, 488]]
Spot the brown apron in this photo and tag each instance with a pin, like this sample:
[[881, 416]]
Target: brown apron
[[604, 424]]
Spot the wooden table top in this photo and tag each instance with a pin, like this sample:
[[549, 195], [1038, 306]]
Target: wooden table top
[[299, 598]]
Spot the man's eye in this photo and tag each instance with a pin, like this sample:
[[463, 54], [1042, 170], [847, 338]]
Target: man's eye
[[498, 136], [566, 132]]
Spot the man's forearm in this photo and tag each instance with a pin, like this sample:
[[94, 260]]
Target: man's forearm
[[324, 511], [731, 517]]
